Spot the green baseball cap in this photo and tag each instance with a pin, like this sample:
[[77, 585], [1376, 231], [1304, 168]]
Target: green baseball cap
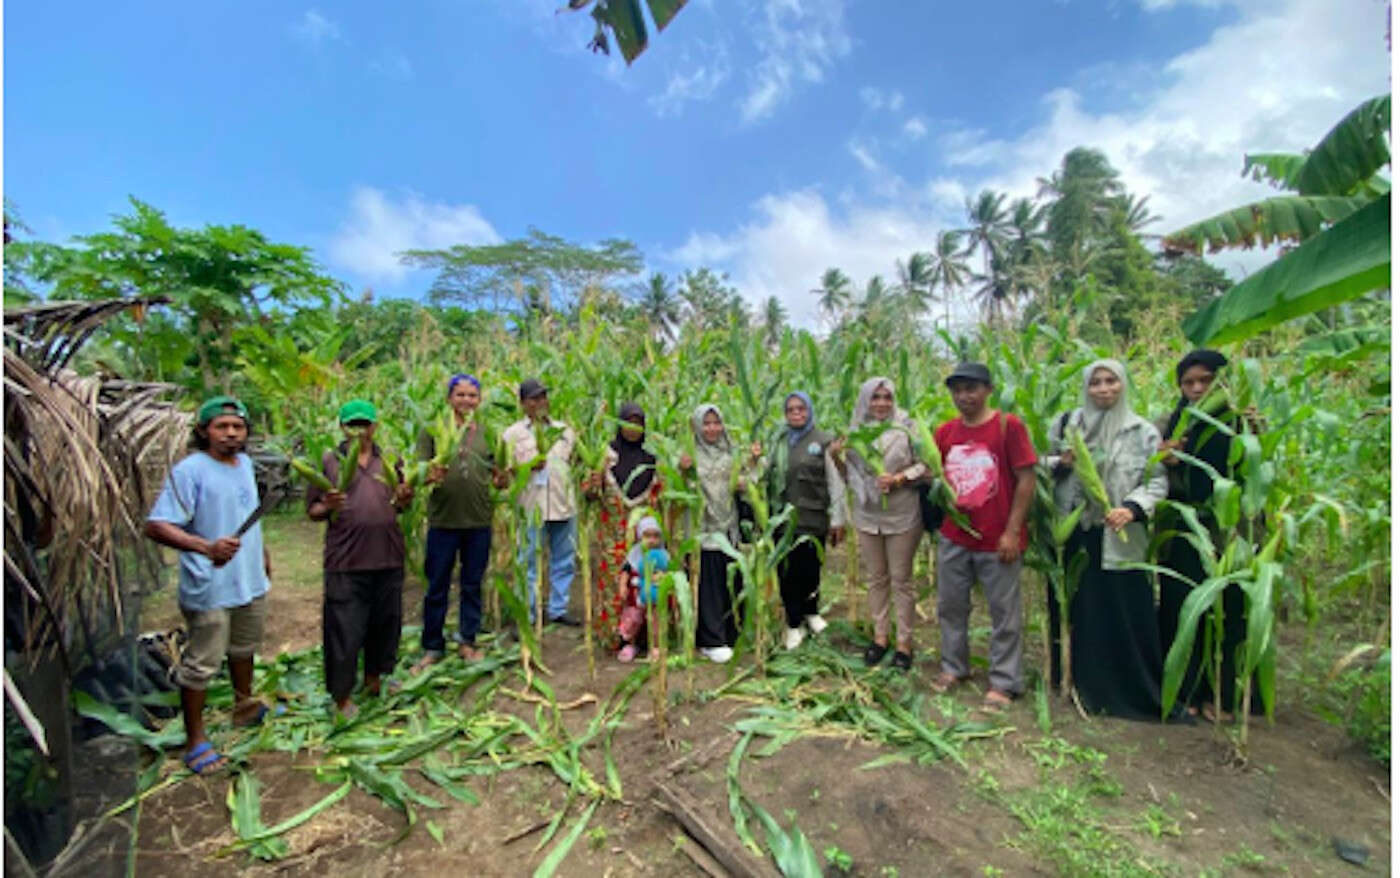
[[221, 405], [358, 410]]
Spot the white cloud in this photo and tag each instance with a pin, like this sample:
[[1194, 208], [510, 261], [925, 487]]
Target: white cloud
[[794, 236], [695, 82], [381, 226], [392, 64], [915, 128], [875, 99], [863, 153], [797, 41], [1277, 78], [316, 29]]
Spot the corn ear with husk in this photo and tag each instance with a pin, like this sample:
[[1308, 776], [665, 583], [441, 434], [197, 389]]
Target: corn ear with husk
[[311, 474], [864, 441], [389, 475], [1065, 524], [447, 437], [348, 463], [942, 492], [1088, 474]]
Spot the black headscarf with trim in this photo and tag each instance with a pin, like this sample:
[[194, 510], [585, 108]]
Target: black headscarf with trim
[[631, 456]]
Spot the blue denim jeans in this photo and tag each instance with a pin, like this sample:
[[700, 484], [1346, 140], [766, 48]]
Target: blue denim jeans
[[562, 537], [444, 547]]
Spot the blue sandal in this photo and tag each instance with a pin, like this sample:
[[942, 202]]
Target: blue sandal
[[263, 711], [202, 756]]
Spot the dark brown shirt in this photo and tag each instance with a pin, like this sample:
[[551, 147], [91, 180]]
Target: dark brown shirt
[[365, 534]]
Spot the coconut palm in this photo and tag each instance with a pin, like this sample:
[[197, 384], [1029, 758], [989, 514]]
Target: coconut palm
[[661, 307], [834, 294], [872, 312], [1025, 245], [948, 269], [1083, 192], [988, 229], [774, 320], [1136, 213], [916, 281]]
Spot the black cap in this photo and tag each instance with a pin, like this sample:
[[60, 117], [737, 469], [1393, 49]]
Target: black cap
[[531, 388], [969, 372]]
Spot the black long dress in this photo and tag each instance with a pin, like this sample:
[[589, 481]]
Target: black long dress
[[1190, 485], [1115, 649]]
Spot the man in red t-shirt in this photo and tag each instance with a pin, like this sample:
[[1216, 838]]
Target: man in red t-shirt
[[988, 459]]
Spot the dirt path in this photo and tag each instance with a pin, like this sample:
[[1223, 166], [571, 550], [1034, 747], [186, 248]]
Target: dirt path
[[1090, 797]]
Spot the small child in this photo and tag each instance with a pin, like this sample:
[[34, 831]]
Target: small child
[[636, 590]]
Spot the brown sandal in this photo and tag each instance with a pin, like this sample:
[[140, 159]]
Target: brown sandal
[[945, 682], [427, 661], [995, 701], [469, 653]]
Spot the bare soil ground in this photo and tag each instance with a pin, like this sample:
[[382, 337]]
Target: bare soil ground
[[1098, 796]]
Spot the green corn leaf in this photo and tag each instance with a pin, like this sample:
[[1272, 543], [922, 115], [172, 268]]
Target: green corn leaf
[[123, 724], [556, 856], [245, 810], [435, 831], [792, 852], [736, 795], [293, 822]]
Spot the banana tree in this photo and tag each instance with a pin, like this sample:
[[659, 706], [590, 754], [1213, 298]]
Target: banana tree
[[1339, 219]]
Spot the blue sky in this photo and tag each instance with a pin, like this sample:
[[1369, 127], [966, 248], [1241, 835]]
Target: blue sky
[[767, 138]]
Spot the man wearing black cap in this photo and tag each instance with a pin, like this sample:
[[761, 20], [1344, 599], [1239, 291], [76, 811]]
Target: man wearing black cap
[[548, 498], [988, 459]]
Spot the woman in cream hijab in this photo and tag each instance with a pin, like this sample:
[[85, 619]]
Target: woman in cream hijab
[[886, 518], [1116, 651]]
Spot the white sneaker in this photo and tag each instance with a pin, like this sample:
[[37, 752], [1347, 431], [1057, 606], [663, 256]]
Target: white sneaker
[[717, 654], [793, 639], [816, 623]]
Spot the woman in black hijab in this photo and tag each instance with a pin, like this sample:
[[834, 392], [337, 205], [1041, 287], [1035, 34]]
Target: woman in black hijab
[[629, 482], [1189, 484], [631, 468]]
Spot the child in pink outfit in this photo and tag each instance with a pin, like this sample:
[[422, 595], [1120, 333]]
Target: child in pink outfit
[[638, 591]]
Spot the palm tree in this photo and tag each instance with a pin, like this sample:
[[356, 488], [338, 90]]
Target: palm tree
[[916, 281], [834, 294], [774, 321], [1082, 194], [995, 290], [1025, 245], [989, 228], [661, 307], [871, 310], [1136, 213], [949, 269]]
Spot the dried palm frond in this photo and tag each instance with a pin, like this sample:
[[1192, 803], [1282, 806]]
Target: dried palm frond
[[81, 459]]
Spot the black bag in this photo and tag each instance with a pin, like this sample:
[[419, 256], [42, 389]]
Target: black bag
[[929, 511]]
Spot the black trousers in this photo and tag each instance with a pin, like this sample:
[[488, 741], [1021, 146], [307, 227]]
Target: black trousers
[[718, 622], [799, 581], [362, 610]]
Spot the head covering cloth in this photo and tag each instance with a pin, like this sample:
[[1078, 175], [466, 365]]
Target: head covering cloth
[[795, 434], [635, 467]]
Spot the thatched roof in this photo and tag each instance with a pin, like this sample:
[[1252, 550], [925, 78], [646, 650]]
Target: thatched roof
[[77, 451]]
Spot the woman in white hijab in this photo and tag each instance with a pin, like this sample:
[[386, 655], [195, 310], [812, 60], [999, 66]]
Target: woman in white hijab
[[717, 467], [1116, 651], [886, 518]]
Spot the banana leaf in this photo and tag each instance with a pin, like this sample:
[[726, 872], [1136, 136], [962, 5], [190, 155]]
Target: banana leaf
[[1347, 260]]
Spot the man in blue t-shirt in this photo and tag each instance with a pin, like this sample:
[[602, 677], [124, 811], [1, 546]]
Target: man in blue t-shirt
[[223, 578]]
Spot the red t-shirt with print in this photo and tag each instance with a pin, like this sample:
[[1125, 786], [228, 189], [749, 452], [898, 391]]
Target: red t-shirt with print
[[980, 463]]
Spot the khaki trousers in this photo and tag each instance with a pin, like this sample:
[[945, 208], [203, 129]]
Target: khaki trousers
[[887, 561]]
